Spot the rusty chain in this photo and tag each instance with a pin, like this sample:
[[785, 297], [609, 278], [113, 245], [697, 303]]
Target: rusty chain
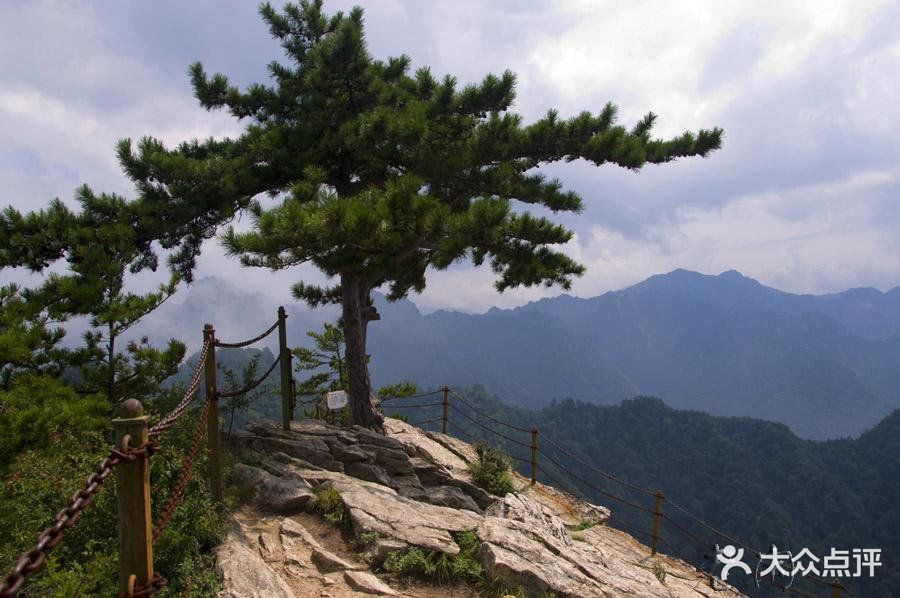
[[247, 342], [252, 385], [177, 492], [169, 420], [50, 538], [152, 587]]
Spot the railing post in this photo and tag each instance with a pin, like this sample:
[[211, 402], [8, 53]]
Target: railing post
[[534, 449], [284, 355], [657, 511], [444, 420], [212, 418], [133, 495]]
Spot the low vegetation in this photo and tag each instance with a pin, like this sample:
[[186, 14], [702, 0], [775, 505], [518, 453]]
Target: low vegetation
[[439, 566], [491, 470]]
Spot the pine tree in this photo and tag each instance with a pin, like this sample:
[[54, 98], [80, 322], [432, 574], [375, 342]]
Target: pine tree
[[99, 245], [379, 174]]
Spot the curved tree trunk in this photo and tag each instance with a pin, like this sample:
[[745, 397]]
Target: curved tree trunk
[[357, 312]]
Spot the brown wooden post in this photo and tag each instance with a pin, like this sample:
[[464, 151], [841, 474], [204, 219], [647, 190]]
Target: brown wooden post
[[133, 490], [534, 448], [285, 355], [212, 418], [657, 511], [836, 588], [445, 421]]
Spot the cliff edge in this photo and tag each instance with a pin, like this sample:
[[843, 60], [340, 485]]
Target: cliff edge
[[339, 511]]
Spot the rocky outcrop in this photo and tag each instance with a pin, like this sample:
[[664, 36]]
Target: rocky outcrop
[[413, 489], [244, 573]]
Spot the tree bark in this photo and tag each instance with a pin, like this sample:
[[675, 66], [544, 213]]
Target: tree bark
[[356, 315]]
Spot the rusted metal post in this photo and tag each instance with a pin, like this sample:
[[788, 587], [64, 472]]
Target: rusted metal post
[[657, 512], [285, 355], [445, 420], [534, 449], [133, 496], [212, 418]]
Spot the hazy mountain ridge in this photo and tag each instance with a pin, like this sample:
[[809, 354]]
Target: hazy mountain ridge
[[723, 344], [825, 365]]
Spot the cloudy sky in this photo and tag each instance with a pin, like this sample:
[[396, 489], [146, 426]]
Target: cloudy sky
[[803, 196]]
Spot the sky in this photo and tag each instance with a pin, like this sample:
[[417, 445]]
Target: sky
[[803, 196]]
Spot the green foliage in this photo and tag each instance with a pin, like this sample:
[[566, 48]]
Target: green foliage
[[329, 504], [38, 411], [28, 340], [386, 175], [48, 457], [327, 362], [363, 541], [491, 470], [438, 566], [240, 403], [584, 524], [328, 367]]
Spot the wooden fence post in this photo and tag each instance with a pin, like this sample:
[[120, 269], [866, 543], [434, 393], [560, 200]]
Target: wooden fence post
[[444, 420], [212, 418], [534, 449], [133, 490], [657, 511], [287, 412]]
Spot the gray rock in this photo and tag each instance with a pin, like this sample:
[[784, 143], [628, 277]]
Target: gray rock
[[523, 508], [278, 494], [370, 473], [244, 573], [451, 496], [327, 562], [378, 509], [368, 583], [350, 454]]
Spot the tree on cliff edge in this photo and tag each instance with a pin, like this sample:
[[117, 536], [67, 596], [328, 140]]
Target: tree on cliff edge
[[379, 174]]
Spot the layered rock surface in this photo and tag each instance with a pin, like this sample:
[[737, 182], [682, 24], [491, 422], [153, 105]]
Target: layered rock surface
[[409, 489]]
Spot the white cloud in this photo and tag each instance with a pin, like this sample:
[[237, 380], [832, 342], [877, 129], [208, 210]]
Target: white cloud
[[800, 196]]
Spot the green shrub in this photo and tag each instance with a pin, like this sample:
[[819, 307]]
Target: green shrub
[[438, 566], [584, 524], [491, 470], [42, 472], [329, 504]]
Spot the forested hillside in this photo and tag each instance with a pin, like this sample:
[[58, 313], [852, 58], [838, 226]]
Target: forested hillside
[[752, 479]]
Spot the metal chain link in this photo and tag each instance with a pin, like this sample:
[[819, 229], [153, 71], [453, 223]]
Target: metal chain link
[[169, 420], [152, 587], [177, 492], [50, 538], [247, 342], [483, 414]]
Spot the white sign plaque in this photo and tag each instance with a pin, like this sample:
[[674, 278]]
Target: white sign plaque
[[336, 399]]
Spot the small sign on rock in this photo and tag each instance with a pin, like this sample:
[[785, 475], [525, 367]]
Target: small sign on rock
[[336, 399]]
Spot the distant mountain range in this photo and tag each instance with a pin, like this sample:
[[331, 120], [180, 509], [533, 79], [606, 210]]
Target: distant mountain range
[[826, 365]]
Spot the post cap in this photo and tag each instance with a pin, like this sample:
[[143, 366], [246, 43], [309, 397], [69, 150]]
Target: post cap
[[131, 408]]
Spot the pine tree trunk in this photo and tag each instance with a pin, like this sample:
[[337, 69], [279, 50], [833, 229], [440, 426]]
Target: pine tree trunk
[[356, 309]]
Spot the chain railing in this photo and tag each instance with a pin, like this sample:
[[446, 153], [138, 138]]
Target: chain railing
[[135, 443]]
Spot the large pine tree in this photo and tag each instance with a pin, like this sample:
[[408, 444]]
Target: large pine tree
[[380, 174]]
